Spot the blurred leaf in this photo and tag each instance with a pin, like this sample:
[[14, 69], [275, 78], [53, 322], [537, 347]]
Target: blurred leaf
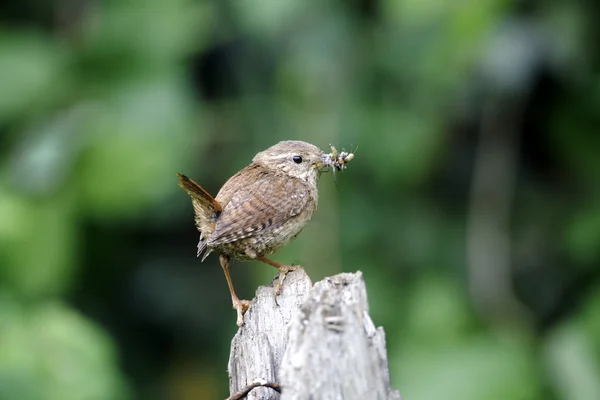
[[573, 369], [574, 138], [438, 314], [590, 317], [270, 19], [155, 31], [37, 244], [480, 368], [46, 153], [32, 73], [582, 237], [406, 141], [140, 139], [50, 352], [437, 43]]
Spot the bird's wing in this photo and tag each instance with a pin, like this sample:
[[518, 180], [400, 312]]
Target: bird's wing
[[263, 204]]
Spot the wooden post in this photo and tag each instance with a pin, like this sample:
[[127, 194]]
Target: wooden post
[[310, 343]]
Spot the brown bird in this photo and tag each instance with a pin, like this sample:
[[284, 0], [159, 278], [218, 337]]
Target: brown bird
[[261, 208]]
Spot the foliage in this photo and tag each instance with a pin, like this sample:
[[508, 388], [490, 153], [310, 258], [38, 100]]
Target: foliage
[[471, 206]]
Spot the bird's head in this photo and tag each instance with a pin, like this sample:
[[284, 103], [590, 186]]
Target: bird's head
[[294, 158]]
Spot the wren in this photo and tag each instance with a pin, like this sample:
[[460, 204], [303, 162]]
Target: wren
[[261, 208]]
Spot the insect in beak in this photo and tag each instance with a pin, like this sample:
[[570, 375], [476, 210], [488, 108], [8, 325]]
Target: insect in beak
[[334, 159], [339, 160]]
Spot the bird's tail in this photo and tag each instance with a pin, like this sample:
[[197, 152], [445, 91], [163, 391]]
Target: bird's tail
[[206, 210]]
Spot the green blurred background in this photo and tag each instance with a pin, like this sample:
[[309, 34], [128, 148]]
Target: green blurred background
[[472, 206]]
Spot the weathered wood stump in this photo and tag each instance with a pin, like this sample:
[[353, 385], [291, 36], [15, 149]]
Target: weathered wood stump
[[310, 343]]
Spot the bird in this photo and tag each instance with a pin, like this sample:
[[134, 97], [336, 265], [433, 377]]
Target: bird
[[261, 208]]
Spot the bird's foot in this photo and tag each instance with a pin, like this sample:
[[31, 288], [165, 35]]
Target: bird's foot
[[283, 271], [240, 307]]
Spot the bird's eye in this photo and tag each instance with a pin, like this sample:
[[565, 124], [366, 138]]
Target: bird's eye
[[297, 159]]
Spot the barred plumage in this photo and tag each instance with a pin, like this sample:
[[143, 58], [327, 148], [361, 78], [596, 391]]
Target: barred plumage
[[261, 208]]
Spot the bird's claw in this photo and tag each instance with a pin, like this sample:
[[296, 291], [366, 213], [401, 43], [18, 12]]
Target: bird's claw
[[240, 307], [283, 271]]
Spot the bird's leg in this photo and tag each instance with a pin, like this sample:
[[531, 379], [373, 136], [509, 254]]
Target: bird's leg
[[283, 270], [239, 305]]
